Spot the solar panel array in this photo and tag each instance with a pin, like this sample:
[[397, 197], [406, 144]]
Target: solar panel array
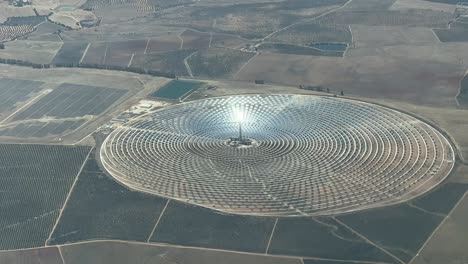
[[311, 155]]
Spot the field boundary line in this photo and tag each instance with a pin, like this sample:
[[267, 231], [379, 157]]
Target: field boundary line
[[367, 240], [306, 20], [159, 219], [181, 40], [84, 53], [61, 254], [459, 88], [211, 39], [131, 60], [271, 236], [187, 66], [435, 35], [105, 54], [68, 196], [438, 227], [156, 244], [147, 44], [243, 66]]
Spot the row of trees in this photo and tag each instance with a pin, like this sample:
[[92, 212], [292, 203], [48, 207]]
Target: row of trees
[[170, 75]]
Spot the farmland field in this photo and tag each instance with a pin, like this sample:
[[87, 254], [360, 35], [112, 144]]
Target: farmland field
[[216, 62], [172, 61], [297, 50], [8, 32], [43, 255], [458, 32], [228, 41], [402, 229], [195, 40], [313, 32], [448, 244], [322, 238], [176, 89], [34, 180], [163, 44], [463, 95], [329, 46], [127, 47], [100, 208], [96, 54], [70, 53], [125, 253], [369, 5], [46, 30], [189, 225], [409, 18], [31, 20], [248, 19], [72, 100]]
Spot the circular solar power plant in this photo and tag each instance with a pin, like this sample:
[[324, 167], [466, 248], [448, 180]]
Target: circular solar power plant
[[279, 155]]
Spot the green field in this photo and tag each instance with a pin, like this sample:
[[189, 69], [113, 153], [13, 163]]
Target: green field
[[176, 89]]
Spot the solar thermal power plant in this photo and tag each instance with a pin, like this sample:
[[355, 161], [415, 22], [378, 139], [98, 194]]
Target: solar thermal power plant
[[279, 155]]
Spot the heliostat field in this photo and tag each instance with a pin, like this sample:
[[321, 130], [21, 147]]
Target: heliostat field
[[296, 155]]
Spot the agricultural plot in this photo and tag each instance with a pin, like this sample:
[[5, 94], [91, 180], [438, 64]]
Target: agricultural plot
[[13, 91], [120, 52], [70, 53], [322, 238], [30, 20], [40, 129], [189, 225], [452, 2], [43, 255], [72, 100], [458, 32], [408, 18], [41, 52], [34, 181], [163, 44], [195, 40], [369, 5], [96, 54], [228, 41], [134, 46], [143, 6], [308, 33], [46, 31], [8, 32], [402, 229], [216, 62], [176, 89], [462, 97], [330, 46], [140, 6], [441, 200], [381, 36], [248, 20], [125, 253], [114, 58], [172, 61], [448, 245], [297, 50], [100, 208]]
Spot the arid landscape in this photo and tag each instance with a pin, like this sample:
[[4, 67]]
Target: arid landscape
[[137, 77]]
